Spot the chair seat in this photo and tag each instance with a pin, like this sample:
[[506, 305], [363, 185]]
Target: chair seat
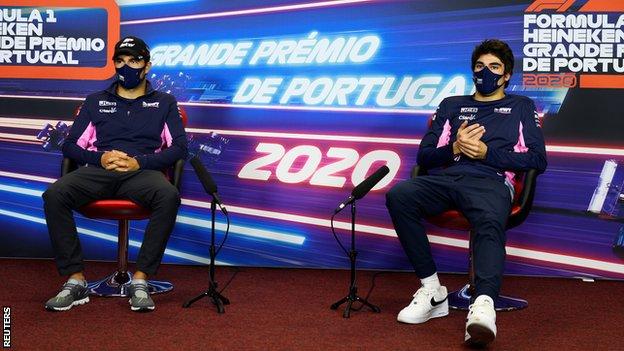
[[453, 219], [118, 209]]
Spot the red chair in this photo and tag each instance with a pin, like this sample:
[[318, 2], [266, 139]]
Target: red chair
[[123, 211], [453, 219]]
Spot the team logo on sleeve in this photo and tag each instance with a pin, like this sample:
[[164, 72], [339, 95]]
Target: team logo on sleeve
[[182, 114]]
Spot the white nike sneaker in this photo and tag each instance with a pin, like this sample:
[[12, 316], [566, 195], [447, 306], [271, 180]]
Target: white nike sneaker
[[426, 304], [481, 321]]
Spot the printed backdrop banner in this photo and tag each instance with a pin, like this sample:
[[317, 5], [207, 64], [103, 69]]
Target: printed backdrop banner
[[291, 104]]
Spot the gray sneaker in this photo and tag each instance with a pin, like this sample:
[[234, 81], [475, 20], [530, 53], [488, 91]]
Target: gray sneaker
[[140, 301], [72, 294]]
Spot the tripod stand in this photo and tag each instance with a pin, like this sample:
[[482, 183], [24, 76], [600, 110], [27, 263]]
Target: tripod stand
[[353, 296], [217, 299]]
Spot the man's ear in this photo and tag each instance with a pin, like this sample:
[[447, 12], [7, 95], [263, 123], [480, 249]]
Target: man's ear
[[148, 66], [507, 77]]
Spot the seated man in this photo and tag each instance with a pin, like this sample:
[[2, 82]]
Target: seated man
[[471, 150], [118, 138]]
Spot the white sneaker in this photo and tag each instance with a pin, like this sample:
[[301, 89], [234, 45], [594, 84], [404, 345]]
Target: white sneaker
[[426, 304], [481, 321]]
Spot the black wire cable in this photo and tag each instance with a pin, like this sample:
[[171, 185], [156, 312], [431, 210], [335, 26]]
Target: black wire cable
[[336, 236], [374, 277], [236, 271], [370, 290], [227, 231]]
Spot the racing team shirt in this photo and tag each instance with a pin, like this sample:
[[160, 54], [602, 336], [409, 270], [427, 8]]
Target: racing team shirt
[[148, 128], [513, 136]]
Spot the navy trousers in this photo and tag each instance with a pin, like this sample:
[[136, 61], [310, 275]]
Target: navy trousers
[[148, 188], [486, 204]]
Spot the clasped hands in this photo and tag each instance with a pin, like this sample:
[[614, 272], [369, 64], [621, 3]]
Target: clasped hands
[[118, 161], [469, 141]]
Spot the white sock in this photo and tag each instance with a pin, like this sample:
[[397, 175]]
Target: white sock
[[431, 282]]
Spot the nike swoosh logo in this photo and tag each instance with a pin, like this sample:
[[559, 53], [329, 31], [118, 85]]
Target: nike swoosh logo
[[434, 303]]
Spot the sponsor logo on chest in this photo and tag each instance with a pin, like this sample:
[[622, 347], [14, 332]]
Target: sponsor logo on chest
[[104, 103], [108, 110], [502, 110], [151, 104], [466, 117], [469, 110]]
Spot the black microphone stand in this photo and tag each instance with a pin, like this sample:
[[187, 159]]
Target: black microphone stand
[[353, 296], [212, 292]]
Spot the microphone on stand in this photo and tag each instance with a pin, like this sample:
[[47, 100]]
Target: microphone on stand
[[211, 188], [364, 187], [207, 182], [358, 192]]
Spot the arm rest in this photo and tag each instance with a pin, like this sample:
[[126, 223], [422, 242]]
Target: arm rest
[[68, 165], [178, 169], [418, 171], [524, 202]]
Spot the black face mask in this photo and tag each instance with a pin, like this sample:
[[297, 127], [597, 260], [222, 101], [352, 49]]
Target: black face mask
[[129, 77], [486, 81]]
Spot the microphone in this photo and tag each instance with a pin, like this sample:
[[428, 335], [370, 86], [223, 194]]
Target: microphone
[[206, 180], [364, 187]]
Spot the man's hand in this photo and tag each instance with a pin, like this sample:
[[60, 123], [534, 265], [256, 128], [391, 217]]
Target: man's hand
[[118, 161], [469, 141], [126, 165], [111, 156]]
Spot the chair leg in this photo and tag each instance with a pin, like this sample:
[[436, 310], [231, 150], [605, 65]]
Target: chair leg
[[117, 283], [122, 252], [460, 299]]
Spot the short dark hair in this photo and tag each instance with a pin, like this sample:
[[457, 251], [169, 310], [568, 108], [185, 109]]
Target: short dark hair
[[497, 48]]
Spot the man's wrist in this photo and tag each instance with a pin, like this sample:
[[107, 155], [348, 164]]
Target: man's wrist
[[140, 160], [484, 151], [489, 154], [456, 150], [102, 161]]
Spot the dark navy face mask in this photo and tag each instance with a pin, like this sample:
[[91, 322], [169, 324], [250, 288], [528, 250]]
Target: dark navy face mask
[[129, 77], [486, 81]]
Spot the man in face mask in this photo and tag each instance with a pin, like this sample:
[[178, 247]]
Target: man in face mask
[[132, 62], [122, 139], [473, 147]]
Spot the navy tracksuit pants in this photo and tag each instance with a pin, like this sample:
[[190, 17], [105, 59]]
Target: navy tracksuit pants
[[148, 188], [485, 202]]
